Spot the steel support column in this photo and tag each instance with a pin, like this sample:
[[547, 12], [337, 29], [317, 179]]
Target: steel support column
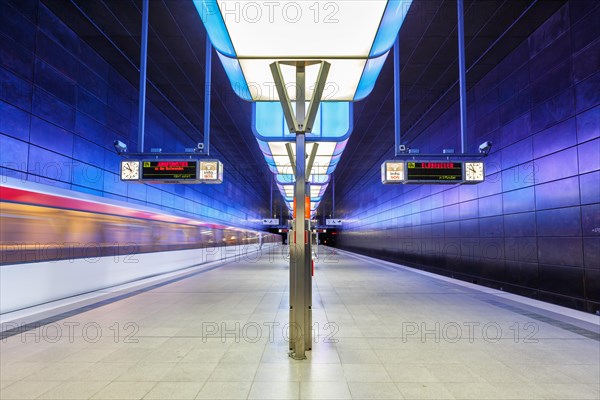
[[397, 96], [299, 122], [332, 195], [462, 77], [300, 303], [142, 94], [307, 272], [207, 89]]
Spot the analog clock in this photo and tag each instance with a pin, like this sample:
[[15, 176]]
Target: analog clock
[[130, 170], [474, 172]]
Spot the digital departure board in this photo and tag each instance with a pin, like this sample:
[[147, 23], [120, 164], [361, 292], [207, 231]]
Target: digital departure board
[[172, 171], [181, 171], [434, 172]]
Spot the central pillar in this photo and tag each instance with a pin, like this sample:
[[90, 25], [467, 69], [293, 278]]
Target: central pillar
[[298, 294], [299, 122]]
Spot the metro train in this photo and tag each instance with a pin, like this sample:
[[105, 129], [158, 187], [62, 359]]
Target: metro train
[[41, 223]]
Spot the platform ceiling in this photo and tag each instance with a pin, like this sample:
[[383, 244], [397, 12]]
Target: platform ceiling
[[428, 57]]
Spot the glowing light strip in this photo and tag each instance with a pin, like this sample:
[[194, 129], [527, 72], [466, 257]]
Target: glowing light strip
[[250, 35]]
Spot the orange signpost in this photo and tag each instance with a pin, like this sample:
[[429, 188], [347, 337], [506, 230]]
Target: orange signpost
[[306, 207]]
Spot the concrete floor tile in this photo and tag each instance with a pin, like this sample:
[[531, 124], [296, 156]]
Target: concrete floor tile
[[189, 372], [375, 391], [275, 390], [324, 390], [28, 389], [224, 390], [411, 373], [566, 391], [424, 391], [365, 373], [229, 372], [321, 372], [282, 372], [75, 390], [146, 372], [124, 390], [101, 372], [174, 390]]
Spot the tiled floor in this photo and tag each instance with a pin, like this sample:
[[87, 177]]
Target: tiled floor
[[383, 334]]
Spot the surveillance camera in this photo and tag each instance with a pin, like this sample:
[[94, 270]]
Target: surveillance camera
[[402, 148], [485, 147], [200, 146], [120, 147]]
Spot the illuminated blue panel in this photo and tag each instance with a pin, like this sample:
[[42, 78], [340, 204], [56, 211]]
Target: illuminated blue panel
[[286, 179], [236, 76], [316, 130], [271, 164], [339, 147], [369, 77], [215, 26], [394, 15], [268, 119], [270, 161], [333, 120], [264, 147], [336, 120]]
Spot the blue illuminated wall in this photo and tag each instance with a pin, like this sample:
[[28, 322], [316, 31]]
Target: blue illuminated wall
[[61, 107], [533, 227]]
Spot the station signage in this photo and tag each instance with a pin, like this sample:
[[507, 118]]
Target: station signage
[[333, 222], [178, 171], [211, 171], [172, 171], [432, 172], [392, 172]]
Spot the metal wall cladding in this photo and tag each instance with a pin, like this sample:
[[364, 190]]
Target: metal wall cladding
[[62, 106], [533, 227]]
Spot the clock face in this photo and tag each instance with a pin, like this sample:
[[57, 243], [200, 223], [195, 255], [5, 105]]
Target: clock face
[[130, 170], [474, 171]]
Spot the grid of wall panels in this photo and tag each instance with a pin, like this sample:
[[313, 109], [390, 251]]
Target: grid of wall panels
[[61, 107], [533, 227]]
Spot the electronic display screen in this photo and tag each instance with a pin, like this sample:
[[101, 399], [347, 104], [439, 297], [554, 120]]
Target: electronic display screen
[[434, 171], [161, 170]]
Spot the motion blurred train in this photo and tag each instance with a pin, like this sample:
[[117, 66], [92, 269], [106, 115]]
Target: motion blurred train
[[48, 224], [58, 246]]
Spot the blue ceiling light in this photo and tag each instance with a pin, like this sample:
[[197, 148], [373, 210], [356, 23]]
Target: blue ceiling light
[[369, 77], [331, 131], [393, 17], [215, 26], [334, 120], [353, 36], [314, 179], [251, 35], [236, 77]]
